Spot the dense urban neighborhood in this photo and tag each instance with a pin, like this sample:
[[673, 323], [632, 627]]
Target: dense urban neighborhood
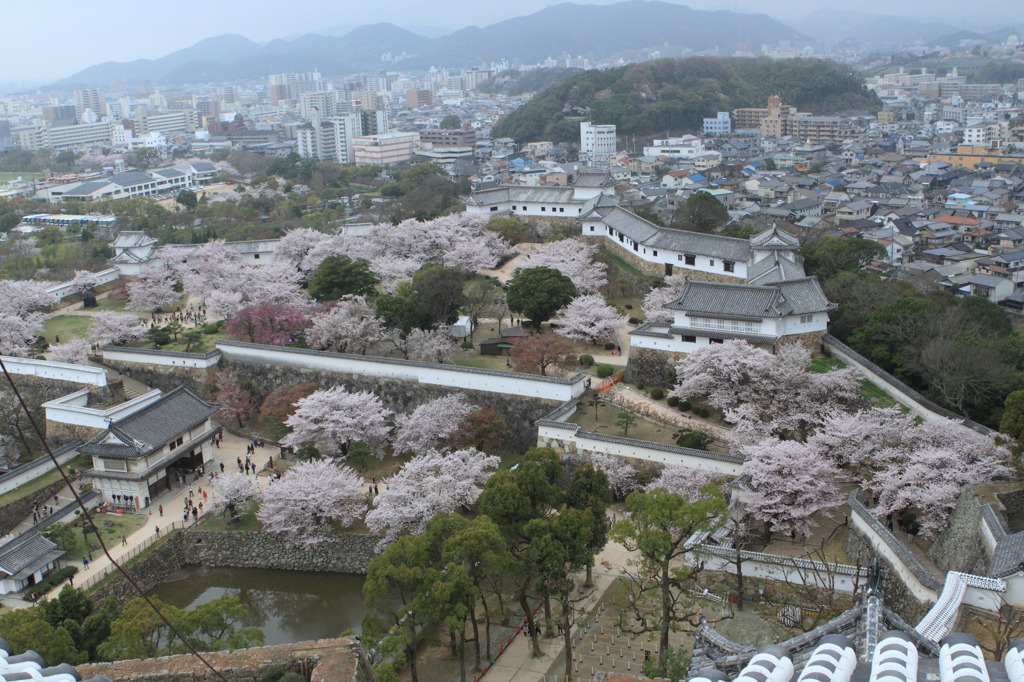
[[485, 357]]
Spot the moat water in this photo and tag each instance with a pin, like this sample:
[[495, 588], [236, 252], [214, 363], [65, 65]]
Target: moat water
[[290, 606]]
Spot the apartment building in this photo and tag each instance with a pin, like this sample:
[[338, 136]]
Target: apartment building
[[597, 142], [383, 150]]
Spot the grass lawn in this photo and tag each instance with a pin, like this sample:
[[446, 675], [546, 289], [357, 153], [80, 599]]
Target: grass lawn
[[78, 464], [605, 423], [246, 521], [622, 264], [873, 394], [472, 358], [179, 346], [112, 528], [105, 303], [67, 327], [822, 364], [7, 176]]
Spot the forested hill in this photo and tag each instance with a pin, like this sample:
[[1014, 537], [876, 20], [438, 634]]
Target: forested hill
[[673, 95]]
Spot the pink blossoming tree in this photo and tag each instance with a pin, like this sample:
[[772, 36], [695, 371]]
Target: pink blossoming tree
[[430, 424], [334, 418], [117, 328], [589, 318], [75, 352], [270, 323], [431, 483], [682, 481], [230, 492], [575, 259], [351, 326], [312, 496], [790, 482]]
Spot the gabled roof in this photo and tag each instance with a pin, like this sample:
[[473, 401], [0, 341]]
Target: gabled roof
[[774, 238], [774, 269], [23, 551], [131, 239], [797, 297], [151, 427]]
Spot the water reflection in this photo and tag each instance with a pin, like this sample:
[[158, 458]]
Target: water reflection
[[290, 606]]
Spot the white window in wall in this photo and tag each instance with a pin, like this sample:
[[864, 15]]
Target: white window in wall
[[806, 319], [743, 326], [115, 465], [728, 266]]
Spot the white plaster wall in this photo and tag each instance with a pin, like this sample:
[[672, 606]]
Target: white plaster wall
[[45, 465], [71, 409], [906, 576], [79, 374], [435, 375], [118, 354]]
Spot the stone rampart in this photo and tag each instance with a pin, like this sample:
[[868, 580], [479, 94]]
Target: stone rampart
[[324, 660], [349, 553], [960, 546]]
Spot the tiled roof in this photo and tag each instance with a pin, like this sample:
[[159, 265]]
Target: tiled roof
[[774, 269], [32, 666], [797, 297], [129, 239], [23, 551], [153, 426]]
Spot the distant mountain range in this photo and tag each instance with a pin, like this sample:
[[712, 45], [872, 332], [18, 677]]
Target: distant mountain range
[[596, 31], [832, 25]]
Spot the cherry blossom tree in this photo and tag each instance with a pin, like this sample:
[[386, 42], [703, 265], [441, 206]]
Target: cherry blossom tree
[[655, 300], [21, 297], [790, 482], [293, 248], [85, 282], [621, 474], [430, 345], [351, 326], [153, 289], [853, 438], [18, 331], [749, 383], [311, 497], [589, 318], [431, 483], [210, 267], [235, 402], [575, 259], [117, 328], [222, 304], [430, 424], [683, 481], [75, 352], [395, 252], [929, 468], [269, 323], [230, 491], [334, 418]]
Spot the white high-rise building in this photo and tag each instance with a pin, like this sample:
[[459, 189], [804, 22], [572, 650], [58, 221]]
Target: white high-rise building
[[328, 139], [719, 126], [597, 142]]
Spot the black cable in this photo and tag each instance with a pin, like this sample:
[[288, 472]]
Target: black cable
[[88, 517]]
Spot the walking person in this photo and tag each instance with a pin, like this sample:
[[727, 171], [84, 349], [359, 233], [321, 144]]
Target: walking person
[[161, 510]]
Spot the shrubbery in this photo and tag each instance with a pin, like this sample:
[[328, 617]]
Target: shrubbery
[[605, 371]]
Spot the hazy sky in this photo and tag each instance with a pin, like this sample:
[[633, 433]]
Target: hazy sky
[[51, 40]]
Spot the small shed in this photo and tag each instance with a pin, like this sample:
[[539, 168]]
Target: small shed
[[502, 344]]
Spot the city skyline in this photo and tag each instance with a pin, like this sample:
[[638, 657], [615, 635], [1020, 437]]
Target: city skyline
[[113, 35]]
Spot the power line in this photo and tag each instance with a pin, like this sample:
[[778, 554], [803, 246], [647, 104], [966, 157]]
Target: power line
[[88, 517]]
